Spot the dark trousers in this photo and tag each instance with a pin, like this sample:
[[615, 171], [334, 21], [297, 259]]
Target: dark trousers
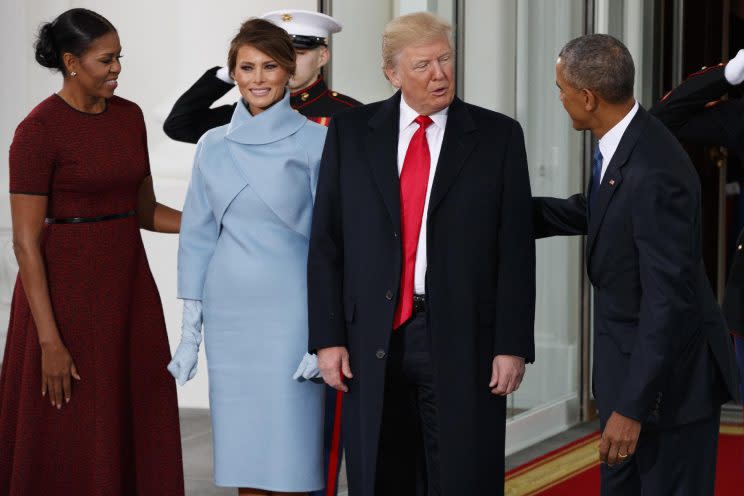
[[408, 460], [675, 462], [329, 414]]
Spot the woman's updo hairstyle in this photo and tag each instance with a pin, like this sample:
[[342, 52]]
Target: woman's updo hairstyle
[[265, 37], [72, 32]]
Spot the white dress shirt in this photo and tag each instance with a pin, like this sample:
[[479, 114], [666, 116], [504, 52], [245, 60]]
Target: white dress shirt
[[610, 141], [434, 137]]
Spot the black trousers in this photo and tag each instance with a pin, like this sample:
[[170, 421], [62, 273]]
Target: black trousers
[[674, 462], [408, 459]]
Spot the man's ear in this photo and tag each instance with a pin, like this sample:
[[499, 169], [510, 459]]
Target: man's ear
[[591, 100], [392, 76], [324, 56]]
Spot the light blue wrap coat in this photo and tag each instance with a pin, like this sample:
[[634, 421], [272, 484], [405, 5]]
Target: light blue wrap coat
[[243, 252]]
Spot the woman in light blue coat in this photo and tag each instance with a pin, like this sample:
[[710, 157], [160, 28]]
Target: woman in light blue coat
[[242, 263]]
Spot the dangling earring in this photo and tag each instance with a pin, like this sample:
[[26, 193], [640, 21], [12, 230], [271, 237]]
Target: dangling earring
[[73, 74]]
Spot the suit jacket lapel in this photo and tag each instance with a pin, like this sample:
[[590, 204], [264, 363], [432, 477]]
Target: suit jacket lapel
[[458, 142], [382, 153], [613, 177]]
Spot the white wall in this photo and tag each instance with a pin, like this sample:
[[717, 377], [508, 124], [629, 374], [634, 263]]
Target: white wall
[[357, 58], [167, 45], [490, 54]]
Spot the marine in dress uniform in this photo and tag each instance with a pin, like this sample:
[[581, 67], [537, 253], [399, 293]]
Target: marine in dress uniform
[[695, 113], [193, 115]]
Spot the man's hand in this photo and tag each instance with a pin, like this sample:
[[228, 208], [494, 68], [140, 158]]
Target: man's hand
[[333, 363], [507, 372], [619, 439]]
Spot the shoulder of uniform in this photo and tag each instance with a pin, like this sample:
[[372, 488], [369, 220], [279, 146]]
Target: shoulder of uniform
[[313, 127], [345, 99]]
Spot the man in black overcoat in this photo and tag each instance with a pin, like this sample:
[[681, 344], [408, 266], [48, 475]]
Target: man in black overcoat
[[421, 276]]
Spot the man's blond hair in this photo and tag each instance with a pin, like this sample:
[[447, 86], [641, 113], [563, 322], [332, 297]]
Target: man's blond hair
[[411, 29]]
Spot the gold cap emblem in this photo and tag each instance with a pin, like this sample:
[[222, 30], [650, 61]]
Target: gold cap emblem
[[286, 17]]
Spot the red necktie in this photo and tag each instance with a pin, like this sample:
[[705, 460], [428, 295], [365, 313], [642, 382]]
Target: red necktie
[[414, 180]]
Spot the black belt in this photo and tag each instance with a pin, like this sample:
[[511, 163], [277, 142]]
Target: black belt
[[419, 303], [81, 220]]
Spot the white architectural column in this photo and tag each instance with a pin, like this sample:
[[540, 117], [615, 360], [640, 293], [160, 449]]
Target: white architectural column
[[490, 54], [356, 51]]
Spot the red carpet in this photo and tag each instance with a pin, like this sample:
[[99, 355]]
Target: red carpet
[[574, 469]]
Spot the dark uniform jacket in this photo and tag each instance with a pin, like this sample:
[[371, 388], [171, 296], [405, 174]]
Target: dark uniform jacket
[[662, 353], [693, 112], [480, 279], [192, 114]]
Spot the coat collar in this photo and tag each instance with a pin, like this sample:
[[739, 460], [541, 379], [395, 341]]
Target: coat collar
[[306, 96], [613, 176], [273, 124], [382, 150], [458, 142]]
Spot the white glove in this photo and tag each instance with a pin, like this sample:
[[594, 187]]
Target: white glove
[[308, 369], [223, 73], [183, 365], [734, 70]]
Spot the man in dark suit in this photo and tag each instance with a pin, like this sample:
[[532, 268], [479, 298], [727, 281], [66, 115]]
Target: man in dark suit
[[421, 276], [663, 362], [695, 113], [193, 115]]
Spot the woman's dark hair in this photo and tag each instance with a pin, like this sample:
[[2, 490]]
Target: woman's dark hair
[[72, 32], [267, 38]]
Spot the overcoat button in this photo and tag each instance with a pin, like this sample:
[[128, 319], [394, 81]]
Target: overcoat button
[[389, 295], [380, 354]]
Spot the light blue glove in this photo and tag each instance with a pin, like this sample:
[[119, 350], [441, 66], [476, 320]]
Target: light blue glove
[[183, 365], [308, 369]]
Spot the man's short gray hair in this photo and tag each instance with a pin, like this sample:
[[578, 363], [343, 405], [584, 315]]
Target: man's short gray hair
[[410, 29], [600, 63]]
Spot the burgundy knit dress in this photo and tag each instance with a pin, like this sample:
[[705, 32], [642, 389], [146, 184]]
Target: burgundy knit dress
[[119, 435]]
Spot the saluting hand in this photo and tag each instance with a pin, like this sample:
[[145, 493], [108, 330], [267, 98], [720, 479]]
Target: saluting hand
[[506, 374], [334, 366], [57, 368]]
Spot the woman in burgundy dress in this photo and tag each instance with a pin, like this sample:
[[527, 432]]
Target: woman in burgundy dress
[[87, 406]]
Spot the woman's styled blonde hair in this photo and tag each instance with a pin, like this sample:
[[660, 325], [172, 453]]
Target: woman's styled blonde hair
[[411, 29]]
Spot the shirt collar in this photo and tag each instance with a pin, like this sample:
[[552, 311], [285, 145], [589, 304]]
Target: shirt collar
[[408, 115], [610, 141]]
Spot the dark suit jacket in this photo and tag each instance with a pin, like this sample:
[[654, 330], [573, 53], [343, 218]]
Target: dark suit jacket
[[694, 113], [480, 280], [661, 350]]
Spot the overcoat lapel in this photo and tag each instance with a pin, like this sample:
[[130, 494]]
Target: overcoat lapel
[[458, 142], [613, 178], [382, 150]]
